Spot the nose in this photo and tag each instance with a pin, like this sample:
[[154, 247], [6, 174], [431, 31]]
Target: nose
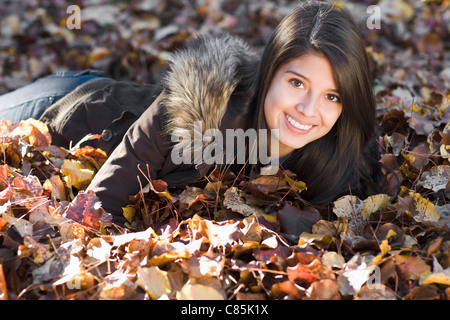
[[309, 106]]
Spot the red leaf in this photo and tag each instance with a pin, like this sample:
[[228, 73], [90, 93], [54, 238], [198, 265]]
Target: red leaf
[[86, 209]]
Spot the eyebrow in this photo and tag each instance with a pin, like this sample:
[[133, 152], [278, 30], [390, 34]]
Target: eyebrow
[[302, 76]]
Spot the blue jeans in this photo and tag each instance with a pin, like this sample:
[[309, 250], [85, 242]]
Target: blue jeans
[[32, 100]]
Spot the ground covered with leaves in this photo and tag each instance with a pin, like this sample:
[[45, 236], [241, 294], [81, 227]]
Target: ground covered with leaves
[[223, 240]]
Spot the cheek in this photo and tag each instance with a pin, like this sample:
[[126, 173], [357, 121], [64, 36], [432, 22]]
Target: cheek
[[331, 117], [270, 110]]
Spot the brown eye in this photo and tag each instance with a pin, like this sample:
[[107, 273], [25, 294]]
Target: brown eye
[[333, 98], [296, 83]]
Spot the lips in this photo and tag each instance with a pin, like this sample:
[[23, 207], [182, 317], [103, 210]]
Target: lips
[[297, 125]]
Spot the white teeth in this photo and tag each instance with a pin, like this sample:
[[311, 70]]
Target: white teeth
[[297, 125]]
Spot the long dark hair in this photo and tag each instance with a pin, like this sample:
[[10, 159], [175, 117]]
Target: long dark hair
[[331, 165]]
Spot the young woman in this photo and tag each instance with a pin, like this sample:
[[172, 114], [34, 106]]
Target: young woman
[[311, 86]]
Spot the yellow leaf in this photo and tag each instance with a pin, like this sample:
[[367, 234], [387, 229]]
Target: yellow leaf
[[198, 292], [128, 212], [269, 217], [299, 185], [385, 247], [168, 257], [420, 111], [154, 281], [79, 175], [441, 278], [165, 195], [99, 53], [425, 208], [374, 203]]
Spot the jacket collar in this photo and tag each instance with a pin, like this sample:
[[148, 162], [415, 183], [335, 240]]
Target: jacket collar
[[199, 84]]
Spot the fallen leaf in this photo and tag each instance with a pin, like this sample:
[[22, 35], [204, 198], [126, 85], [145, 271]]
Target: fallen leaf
[[154, 281], [436, 178], [86, 209], [80, 176], [379, 292], [411, 267], [99, 250], [305, 274], [325, 289], [375, 203], [198, 292], [421, 209], [233, 201], [56, 186]]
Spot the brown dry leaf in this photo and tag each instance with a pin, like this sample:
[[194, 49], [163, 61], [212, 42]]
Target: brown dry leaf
[[440, 278], [397, 141], [154, 281], [233, 201], [392, 233], [23, 226], [411, 267], [418, 157], [96, 156], [251, 231], [34, 132], [305, 274], [219, 234], [30, 183], [56, 186], [378, 292], [146, 235], [268, 186], [430, 43], [41, 252], [86, 209], [287, 287], [423, 292], [325, 289], [203, 266], [216, 188], [118, 290]]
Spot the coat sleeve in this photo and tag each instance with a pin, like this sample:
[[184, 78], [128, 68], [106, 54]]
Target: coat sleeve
[[144, 144]]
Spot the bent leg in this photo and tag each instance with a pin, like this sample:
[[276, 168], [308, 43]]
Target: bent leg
[[32, 100]]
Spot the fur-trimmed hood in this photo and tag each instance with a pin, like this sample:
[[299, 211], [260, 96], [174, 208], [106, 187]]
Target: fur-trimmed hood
[[201, 80]]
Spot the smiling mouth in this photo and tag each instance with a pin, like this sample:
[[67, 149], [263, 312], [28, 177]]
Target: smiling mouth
[[297, 125]]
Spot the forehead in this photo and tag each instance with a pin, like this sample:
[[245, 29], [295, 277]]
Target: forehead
[[313, 67]]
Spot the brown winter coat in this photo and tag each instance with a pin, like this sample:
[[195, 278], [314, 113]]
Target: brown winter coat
[[203, 84]]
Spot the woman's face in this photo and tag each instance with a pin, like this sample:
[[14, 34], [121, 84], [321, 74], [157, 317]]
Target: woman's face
[[302, 102]]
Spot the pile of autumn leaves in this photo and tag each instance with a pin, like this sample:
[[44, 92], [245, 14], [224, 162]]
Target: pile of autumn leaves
[[222, 241]]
